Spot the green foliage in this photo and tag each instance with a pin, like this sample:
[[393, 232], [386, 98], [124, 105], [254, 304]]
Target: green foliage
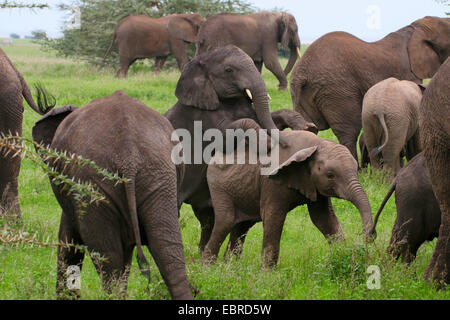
[[19, 5], [14, 36], [97, 20]]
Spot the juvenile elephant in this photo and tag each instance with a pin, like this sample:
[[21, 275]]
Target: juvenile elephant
[[122, 135], [140, 37], [13, 89], [329, 82], [434, 127], [390, 121], [310, 171], [418, 214], [258, 34]]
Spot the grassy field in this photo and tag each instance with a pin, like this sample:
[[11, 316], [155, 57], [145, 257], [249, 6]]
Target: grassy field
[[308, 267]]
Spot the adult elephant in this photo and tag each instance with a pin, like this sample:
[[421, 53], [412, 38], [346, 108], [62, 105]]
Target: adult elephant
[[434, 127], [141, 37], [122, 135], [13, 89], [217, 89], [329, 82], [258, 34]]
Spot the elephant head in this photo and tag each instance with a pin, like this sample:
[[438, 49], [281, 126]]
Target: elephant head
[[429, 45], [289, 39], [185, 26], [327, 168], [225, 73]]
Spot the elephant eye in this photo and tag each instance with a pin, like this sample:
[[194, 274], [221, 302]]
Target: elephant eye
[[228, 69], [330, 175]]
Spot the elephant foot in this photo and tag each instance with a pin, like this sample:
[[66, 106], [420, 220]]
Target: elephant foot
[[282, 88]]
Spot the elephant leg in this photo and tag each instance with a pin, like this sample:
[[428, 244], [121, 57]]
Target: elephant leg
[[322, 215], [237, 238], [159, 216], [125, 63], [179, 51], [273, 65], [437, 153], [259, 65], [205, 216], [9, 172], [68, 256], [159, 63], [391, 152], [223, 224], [273, 221]]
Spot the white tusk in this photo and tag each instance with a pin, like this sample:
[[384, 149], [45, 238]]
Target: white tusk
[[298, 53], [269, 97], [249, 93]]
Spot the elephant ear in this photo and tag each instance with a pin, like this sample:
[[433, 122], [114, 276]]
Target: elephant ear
[[45, 128], [423, 59], [284, 29], [295, 173], [182, 28], [194, 88]]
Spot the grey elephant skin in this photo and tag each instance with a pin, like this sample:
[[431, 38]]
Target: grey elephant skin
[[13, 89], [329, 82], [434, 124], [212, 89], [141, 37], [418, 214], [311, 170], [390, 121], [258, 34], [122, 135]]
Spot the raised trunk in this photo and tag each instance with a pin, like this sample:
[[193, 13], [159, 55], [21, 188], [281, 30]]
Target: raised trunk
[[291, 61], [356, 195]]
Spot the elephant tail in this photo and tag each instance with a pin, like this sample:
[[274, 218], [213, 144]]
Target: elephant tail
[[383, 203], [377, 150], [110, 47], [130, 190]]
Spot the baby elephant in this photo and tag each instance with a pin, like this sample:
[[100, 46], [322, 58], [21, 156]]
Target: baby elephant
[[418, 212], [390, 114], [310, 171], [122, 135]]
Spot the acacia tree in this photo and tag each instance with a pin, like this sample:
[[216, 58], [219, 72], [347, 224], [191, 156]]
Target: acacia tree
[[90, 37]]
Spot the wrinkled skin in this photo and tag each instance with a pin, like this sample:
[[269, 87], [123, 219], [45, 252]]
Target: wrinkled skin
[[311, 170], [329, 82], [211, 89], [365, 160], [140, 37], [258, 34], [434, 127], [418, 214], [13, 89], [390, 120], [122, 135]]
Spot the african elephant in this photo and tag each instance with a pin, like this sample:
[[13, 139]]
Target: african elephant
[[216, 88], [140, 37], [434, 127], [13, 89], [390, 121], [122, 135], [310, 171], [329, 82], [418, 213], [258, 34], [365, 160]]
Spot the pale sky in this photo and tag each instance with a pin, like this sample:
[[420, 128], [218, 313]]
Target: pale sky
[[367, 19]]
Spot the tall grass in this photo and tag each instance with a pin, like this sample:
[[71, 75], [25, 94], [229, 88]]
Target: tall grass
[[308, 268]]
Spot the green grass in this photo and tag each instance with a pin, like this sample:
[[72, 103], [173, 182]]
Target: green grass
[[308, 267]]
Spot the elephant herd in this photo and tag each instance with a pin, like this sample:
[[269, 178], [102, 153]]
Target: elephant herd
[[341, 82]]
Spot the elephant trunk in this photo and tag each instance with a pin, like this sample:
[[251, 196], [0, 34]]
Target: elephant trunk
[[356, 195], [261, 105], [292, 59]]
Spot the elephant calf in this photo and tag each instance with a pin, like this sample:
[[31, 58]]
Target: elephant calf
[[122, 135], [418, 213], [311, 171], [390, 120]]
